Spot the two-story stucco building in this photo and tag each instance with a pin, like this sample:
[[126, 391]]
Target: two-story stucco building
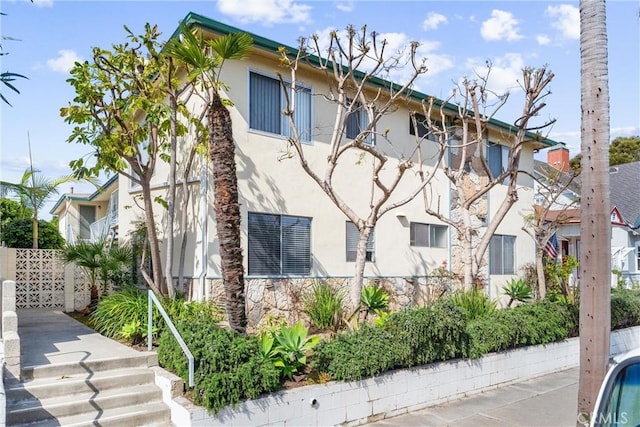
[[292, 234]]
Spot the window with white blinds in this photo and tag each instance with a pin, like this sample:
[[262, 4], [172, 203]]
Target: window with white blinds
[[352, 243], [502, 254], [279, 244], [267, 101], [497, 159], [427, 235]]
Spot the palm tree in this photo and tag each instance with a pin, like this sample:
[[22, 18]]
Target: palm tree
[[33, 191], [86, 255], [595, 226], [204, 60]]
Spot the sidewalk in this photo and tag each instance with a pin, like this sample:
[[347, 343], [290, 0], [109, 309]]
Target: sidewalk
[[50, 337], [550, 400]]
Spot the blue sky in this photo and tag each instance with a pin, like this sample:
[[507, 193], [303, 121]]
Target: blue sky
[[457, 37]]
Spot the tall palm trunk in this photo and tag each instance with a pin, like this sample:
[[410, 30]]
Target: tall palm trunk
[[595, 225], [227, 208]]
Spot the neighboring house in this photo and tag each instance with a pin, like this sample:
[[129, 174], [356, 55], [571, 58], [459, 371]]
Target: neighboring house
[[89, 217], [291, 232], [625, 238], [625, 213]]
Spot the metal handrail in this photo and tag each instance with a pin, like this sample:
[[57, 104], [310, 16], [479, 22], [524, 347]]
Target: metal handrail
[[153, 300]]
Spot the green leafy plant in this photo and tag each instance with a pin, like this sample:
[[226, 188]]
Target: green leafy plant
[[374, 298], [132, 332], [325, 306], [288, 348], [382, 317], [517, 290], [228, 366], [474, 303], [557, 276]]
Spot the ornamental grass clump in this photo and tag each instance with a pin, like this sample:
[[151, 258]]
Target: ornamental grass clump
[[325, 306]]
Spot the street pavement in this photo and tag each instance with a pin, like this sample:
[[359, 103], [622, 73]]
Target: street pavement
[[549, 400]]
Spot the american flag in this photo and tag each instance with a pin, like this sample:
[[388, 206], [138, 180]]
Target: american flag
[[551, 248]]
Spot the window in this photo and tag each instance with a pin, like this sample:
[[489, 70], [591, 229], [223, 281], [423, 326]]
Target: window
[[421, 127], [497, 158], [502, 254], [358, 121], [279, 244], [428, 235], [352, 243], [267, 101]]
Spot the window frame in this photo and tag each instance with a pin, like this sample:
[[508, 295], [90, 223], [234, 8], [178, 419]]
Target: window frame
[[500, 269], [352, 255], [361, 115], [503, 159], [431, 230], [285, 130], [423, 131], [282, 248]]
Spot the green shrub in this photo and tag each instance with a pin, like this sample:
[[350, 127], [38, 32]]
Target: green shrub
[[413, 336], [625, 308], [228, 367], [324, 306], [474, 303], [539, 323], [18, 233], [352, 356], [428, 334]]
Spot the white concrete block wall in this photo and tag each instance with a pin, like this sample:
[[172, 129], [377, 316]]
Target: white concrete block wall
[[398, 392]]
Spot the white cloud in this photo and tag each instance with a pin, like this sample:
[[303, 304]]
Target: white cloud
[[625, 131], [265, 11], [543, 39], [398, 46], [566, 19], [64, 62], [345, 6], [43, 3], [505, 73], [501, 26], [433, 21]]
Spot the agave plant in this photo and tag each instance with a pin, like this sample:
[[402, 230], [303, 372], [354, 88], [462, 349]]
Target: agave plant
[[374, 298], [517, 290]]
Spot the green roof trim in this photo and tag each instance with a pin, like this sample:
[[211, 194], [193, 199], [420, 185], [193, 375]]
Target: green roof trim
[[103, 187], [199, 21]]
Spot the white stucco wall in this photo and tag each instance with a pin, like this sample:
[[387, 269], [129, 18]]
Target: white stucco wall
[[270, 185]]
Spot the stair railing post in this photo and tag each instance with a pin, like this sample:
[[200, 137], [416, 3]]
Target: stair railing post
[[149, 321]]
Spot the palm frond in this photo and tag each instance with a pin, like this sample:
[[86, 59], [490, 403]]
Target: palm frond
[[232, 46]]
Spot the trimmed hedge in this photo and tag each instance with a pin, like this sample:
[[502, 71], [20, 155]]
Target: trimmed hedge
[[228, 366], [625, 308], [528, 324], [410, 337]]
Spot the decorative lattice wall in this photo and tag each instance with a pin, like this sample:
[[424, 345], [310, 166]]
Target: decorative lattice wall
[[39, 279]]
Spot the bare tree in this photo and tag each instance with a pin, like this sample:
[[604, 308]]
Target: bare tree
[[595, 225], [550, 211], [352, 66], [465, 133]]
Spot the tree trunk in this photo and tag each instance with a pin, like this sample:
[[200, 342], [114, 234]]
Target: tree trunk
[[227, 208], [184, 218], [154, 246], [35, 230], [467, 250], [542, 284], [171, 199], [595, 224], [361, 259]]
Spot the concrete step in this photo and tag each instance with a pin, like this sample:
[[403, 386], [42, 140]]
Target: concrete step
[[142, 360], [88, 404], [69, 385], [149, 414]]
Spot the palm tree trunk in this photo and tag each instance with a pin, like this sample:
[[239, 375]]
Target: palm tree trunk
[[35, 230], [154, 245], [227, 208], [595, 225]]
